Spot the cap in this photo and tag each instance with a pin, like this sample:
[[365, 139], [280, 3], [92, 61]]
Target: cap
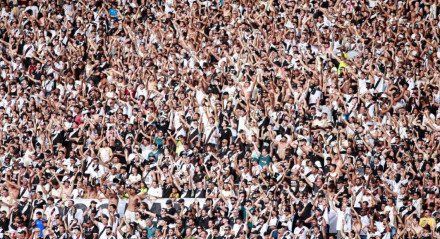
[[169, 202], [318, 164], [181, 200]]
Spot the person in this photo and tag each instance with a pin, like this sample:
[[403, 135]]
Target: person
[[90, 230], [300, 230], [427, 220], [132, 205], [107, 233], [219, 119], [40, 223]]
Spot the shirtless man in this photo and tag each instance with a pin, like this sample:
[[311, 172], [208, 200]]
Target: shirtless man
[[13, 188], [112, 198], [282, 146], [133, 202]]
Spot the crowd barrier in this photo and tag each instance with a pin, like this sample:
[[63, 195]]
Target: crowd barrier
[[155, 205]]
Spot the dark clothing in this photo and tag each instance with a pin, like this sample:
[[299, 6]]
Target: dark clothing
[[88, 232], [186, 194], [203, 221], [4, 224], [199, 193]]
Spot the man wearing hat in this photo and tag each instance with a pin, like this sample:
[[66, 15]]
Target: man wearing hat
[[170, 211], [182, 209]]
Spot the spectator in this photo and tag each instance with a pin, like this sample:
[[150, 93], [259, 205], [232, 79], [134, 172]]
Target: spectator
[[219, 119]]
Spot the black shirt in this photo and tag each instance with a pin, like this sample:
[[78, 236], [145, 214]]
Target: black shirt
[[203, 221], [225, 133], [171, 211], [167, 189], [4, 224], [88, 232], [39, 203]]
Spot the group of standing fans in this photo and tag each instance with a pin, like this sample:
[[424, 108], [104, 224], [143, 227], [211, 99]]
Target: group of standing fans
[[275, 119]]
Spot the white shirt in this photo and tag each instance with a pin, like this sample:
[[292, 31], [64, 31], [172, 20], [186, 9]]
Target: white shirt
[[95, 171], [140, 92], [242, 123], [365, 221], [301, 232], [315, 97], [51, 212], [77, 193], [134, 178], [357, 202], [78, 215], [28, 50], [236, 228], [155, 192], [211, 132], [169, 6]]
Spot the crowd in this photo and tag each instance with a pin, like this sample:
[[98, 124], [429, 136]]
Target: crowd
[[274, 119]]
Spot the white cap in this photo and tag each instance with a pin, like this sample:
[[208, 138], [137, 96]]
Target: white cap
[[318, 164]]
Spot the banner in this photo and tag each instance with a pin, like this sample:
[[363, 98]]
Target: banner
[[154, 205]]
